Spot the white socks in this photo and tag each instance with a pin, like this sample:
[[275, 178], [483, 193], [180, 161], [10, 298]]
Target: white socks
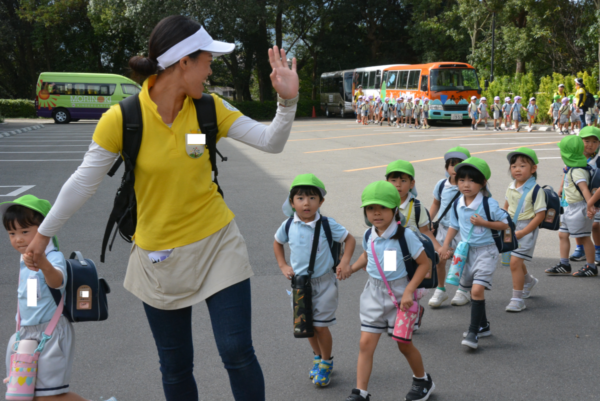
[[363, 393], [421, 378]]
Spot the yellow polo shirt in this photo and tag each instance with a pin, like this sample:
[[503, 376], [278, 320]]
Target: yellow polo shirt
[[528, 210], [572, 195], [177, 202]]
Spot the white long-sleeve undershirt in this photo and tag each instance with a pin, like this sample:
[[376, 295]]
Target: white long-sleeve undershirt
[[97, 161]]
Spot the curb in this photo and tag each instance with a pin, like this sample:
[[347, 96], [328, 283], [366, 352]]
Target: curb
[[541, 128], [19, 131]]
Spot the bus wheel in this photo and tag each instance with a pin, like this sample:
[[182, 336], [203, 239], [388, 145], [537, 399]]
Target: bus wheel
[[327, 113], [61, 116], [342, 112]]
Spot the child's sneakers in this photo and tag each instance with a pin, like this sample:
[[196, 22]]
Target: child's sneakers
[[438, 298], [559, 270], [471, 340], [355, 396], [315, 369], [515, 305], [586, 271], [483, 331], [578, 255], [460, 298], [421, 389], [529, 286], [323, 377]]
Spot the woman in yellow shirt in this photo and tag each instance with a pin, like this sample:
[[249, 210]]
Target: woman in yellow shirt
[[187, 247]]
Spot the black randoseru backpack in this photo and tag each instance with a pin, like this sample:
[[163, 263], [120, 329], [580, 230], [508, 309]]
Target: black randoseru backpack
[[124, 213]]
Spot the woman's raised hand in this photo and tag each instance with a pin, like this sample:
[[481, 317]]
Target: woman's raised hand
[[285, 80]]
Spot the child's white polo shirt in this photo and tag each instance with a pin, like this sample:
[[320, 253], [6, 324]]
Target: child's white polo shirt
[[300, 240]]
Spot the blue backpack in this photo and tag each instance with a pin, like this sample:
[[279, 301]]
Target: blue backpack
[[85, 292], [506, 240], [335, 247], [553, 207], [411, 264]]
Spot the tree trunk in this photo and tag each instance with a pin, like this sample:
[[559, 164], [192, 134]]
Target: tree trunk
[[520, 66], [315, 77], [279, 25], [263, 65]]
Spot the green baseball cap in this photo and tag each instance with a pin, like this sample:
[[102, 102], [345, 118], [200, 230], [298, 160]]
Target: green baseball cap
[[457, 153], [381, 193], [589, 131], [309, 180], [476, 163], [400, 166], [571, 151], [557, 97], [32, 202], [524, 151]]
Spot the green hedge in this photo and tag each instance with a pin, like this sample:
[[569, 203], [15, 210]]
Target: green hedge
[[526, 86], [267, 110], [1, 118], [17, 108]]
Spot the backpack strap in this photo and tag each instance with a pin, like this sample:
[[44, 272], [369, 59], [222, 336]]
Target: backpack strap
[[404, 248], [455, 206], [329, 235], [534, 194], [417, 204], [486, 208], [133, 128], [207, 119], [288, 224], [587, 168], [368, 235], [441, 189]]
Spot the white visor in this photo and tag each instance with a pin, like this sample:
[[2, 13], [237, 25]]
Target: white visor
[[201, 40]]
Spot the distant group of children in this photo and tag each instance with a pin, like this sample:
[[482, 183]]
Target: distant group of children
[[370, 109], [566, 116], [470, 229]]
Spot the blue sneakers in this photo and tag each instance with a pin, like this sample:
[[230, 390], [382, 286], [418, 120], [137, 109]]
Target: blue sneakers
[[323, 377], [578, 255], [315, 369]]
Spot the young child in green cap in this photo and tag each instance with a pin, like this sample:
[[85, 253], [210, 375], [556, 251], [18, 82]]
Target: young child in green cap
[[520, 200], [21, 219], [469, 217], [444, 194], [574, 221], [306, 196], [385, 267], [401, 174]]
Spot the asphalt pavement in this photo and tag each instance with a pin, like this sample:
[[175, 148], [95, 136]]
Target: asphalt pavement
[[547, 352]]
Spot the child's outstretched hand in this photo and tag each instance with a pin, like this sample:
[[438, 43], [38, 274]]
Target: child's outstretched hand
[[28, 259], [344, 271], [407, 301], [477, 220], [287, 271]]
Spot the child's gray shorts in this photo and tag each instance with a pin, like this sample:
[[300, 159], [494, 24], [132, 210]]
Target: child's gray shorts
[[597, 218], [441, 236], [527, 243], [496, 115], [377, 310], [574, 118], [480, 267], [564, 119], [56, 360], [324, 300], [575, 222]]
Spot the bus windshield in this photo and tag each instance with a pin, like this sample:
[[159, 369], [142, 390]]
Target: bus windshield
[[457, 79]]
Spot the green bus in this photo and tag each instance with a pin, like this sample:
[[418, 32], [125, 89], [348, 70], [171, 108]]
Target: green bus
[[68, 96]]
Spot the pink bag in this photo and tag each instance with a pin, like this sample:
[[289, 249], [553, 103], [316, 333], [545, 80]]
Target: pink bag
[[23, 367], [405, 321]]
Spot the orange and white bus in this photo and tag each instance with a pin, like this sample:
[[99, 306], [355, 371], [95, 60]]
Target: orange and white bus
[[448, 85]]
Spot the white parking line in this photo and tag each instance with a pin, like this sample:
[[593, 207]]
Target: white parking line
[[504, 143], [536, 149], [21, 189]]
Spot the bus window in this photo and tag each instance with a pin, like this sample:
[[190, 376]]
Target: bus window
[[371, 80], [424, 83], [385, 78], [365, 81], [358, 77], [378, 80], [129, 89], [391, 80], [402, 80], [79, 89], [92, 89], [107, 90], [348, 86], [413, 80], [454, 79]]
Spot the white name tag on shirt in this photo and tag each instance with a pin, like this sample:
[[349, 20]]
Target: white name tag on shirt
[[389, 261], [196, 139], [32, 292]]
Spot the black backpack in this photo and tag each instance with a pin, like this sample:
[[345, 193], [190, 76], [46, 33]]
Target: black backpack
[[85, 292], [589, 100], [553, 207], [335, 247], [124, 213], [411, 264]]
